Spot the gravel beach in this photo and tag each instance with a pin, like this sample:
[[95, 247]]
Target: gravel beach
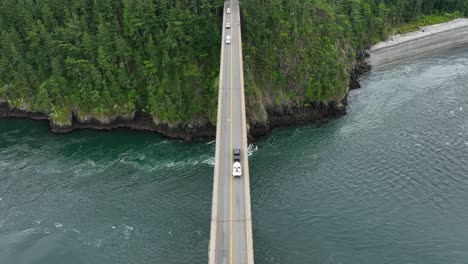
[[427, 39]]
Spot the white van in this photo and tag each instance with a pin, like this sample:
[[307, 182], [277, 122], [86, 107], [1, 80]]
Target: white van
[[228, 39]]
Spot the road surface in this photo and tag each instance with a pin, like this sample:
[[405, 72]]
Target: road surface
[[231, 230]]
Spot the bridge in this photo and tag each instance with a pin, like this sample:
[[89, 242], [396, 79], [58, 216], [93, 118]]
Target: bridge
[[231, 221]]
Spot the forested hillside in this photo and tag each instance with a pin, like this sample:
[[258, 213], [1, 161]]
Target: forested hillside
[[301, 53], [103, 58], [100, 59]]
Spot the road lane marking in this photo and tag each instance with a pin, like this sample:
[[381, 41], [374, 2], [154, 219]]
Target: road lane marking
[[230, 168]]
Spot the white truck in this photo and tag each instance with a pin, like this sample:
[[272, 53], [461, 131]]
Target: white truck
[[236, 166]]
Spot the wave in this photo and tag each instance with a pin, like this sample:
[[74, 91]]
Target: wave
[[252, 149], [166, 164], [90, 167], [127, 231], [210, 161]]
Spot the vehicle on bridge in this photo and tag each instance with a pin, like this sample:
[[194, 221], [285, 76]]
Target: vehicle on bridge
[[228, 10], [228, 39], [236, 153], [228, 25], [236, 169]]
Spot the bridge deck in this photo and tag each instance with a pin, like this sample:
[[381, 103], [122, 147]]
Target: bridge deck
[[231, 226]]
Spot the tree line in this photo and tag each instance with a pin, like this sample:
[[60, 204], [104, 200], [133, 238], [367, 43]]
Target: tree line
[[303, 51], [113, 57], [110, 57]]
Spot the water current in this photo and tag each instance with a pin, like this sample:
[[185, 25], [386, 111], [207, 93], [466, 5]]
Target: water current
[[387, 183]]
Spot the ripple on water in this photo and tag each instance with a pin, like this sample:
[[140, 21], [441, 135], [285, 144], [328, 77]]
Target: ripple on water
[[388, 181]]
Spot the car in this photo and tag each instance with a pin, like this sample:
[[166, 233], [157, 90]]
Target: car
[[228, 39], [228, 25], [236, 153], [228, 10], [236, 169]]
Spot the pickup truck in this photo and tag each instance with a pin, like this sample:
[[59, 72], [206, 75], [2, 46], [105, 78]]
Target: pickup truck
[[236, 167]]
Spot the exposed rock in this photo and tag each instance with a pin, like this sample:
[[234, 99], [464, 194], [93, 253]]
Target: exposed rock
[[286, 115], [6, 111], [262, 117], [104, 120], [361, 67], [201, 128]]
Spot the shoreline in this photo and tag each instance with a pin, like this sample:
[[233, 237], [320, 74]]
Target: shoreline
[[396, 48], [427, 39], [141, 121], [190, 130]]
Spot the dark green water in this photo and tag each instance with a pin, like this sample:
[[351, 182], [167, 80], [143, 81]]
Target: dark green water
[[388, 183]]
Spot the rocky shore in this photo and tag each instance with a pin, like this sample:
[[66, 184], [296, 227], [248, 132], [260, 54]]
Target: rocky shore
[[201, 127], [187, 131], [397, 48]]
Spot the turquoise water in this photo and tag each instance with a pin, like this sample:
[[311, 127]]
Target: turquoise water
[[96, 197], [387, 183]]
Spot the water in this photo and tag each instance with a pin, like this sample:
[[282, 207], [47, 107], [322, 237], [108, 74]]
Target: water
[[94, 197], [388, 183]]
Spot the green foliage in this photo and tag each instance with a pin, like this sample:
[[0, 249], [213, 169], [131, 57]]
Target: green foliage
[[110, 57], [113, 57], [427, 20], [307, 47]]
